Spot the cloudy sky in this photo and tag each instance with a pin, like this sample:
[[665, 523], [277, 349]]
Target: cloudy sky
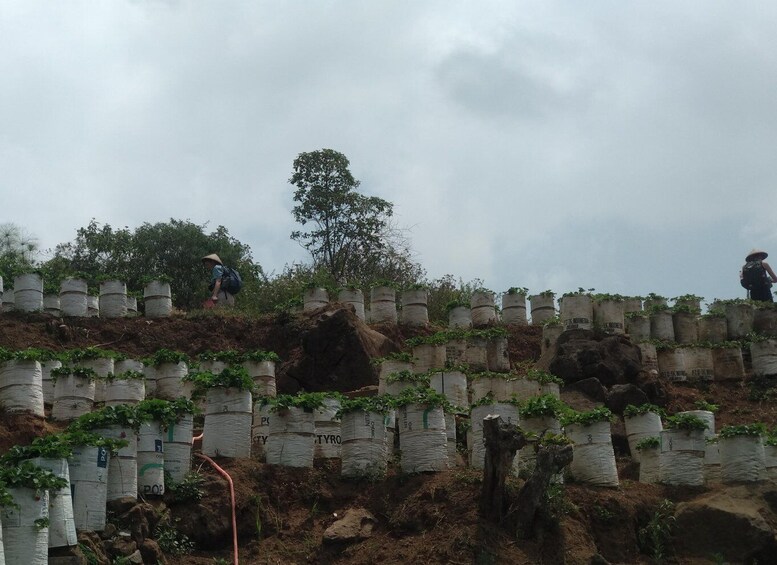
[[622, 146]]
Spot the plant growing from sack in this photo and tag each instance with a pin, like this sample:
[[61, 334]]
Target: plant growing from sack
[[702, 404], [543, 377], [754, 430], [364, 448], [123, 416], [642, 422], [637, 314], [176, 421], [683, 309], [218, 359], [67, 370], [259, 356], [396, 356], [649, 443], [538, 416], [594, 457], [687, 422], [168, 412], [291, 441], [52, 446], [126, 376], [233, 376], [30, 476], [162, 356], [74, 389], [596, 415], [422, 429], [522, 290], [307, 401], [742, 453], [632, 411], [414, 379], [545, 406]]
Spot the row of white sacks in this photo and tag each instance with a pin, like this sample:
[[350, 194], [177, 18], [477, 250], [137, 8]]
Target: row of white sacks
[[736, 321], [412, 308], [73, 299], [699, 363], [576, 311], [685, 327], [295, 437], [696, 457], [26, 386]]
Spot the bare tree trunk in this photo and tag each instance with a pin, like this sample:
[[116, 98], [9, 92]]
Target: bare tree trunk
[[502, 441], [531, 498]]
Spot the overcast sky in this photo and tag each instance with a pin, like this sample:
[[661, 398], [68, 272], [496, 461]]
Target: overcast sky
[[622, 146]]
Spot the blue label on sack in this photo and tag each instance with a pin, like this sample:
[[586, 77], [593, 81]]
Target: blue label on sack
[[158, 445], [102, 457]]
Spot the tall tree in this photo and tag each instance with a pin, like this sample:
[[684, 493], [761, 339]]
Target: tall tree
[[350, 234]]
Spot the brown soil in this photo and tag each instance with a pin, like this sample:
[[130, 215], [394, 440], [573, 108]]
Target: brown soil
[[283, 512]]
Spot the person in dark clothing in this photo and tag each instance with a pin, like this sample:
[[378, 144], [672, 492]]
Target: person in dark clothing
[[757, 276]]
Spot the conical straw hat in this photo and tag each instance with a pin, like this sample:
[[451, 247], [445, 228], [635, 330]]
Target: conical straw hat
[[752, 255], [212, 257]]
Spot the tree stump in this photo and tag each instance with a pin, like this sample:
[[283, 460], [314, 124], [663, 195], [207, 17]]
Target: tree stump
[[531, 498], [502, 441]]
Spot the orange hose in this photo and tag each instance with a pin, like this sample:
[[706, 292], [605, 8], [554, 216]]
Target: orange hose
[[195, 438], [224, 474]]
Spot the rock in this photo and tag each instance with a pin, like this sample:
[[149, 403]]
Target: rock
[[122, 547], [141, 520], [90, 543], [654, 388], [336, 354], [730, 522], [108, 532], [67, 560], [207, 522], [583, 354], [592, 388], [620, 396], [121, 505], [357, 524], [151, 552]]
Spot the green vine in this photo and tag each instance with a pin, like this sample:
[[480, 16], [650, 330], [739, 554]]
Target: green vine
[[600, 414], [546, 405], [231, 377], [648, 443], [632, 410], [757, 429], [686, 422]]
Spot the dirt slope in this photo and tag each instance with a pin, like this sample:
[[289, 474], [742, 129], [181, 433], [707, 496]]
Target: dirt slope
[[283, 512]]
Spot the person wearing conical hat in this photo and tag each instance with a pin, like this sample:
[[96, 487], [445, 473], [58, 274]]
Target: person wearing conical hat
[[757, 276], [218, 296]]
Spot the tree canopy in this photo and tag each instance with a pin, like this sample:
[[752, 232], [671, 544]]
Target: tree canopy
[[350, 234], [172, 249]]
